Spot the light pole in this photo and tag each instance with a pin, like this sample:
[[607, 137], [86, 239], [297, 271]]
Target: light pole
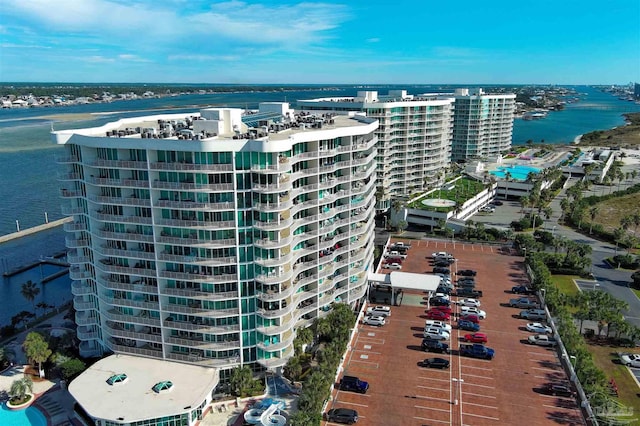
[[553, 231], [524, 249], [543, 293], [456, 383]]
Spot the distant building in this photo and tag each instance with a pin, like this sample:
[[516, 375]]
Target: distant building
[[482, 124], [636, 90]]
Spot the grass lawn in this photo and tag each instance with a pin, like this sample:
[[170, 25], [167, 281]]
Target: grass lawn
[[636, 292], [463, 190], [611, 211], [566, 284], [603, 356]]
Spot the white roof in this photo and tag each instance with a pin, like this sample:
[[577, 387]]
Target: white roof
[[135, 400], [407, 280]]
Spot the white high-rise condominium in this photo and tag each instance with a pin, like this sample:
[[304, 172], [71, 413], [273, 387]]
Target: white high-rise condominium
[[210, 238], [482, 124], [414, 138]]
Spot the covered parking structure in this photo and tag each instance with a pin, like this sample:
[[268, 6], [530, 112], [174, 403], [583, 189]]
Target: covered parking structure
[[405, 281]]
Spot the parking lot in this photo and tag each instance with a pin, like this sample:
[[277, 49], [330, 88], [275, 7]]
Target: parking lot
[[505, 390]]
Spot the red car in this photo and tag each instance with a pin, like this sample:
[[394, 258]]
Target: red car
[[471, 318], [475, 338], [446, 309], [438, 315]]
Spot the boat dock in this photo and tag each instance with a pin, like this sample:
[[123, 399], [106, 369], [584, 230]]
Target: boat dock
[[35, 229]]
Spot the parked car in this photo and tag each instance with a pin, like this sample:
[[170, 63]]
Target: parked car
[[487, 209], [394, 253], [395, 266], [524, 303], [557, 389], [442, 254], [469, 302], [542, 340], [468, 292], [465, 310], [441, 270], [353, 384], [466, 283], [436, 334], [402, 245], [342, 415], [466, 273], [438, 315], [476, 350], [630, 360], [393, 260], [383, 311], [442, 263], [445, 309], [439, 301], [431, 345], [497, 202], [471, 318], [468, 325], [534, 314], [522, 289], [442, 295], [374, 320], [444, 289], [436, 363], [475, 338], [538, 327], [438, 324]]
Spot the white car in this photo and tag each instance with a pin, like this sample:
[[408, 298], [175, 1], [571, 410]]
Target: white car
[[396, 266], [437, 324], [374, 320], [538, 327], [442, 254], [472, 310], [488, 209], [436, 333], [630, 360], [469, 302], [442, 296], [381, 311]]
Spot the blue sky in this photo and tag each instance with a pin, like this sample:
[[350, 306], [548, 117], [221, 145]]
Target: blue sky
[[372, 41]]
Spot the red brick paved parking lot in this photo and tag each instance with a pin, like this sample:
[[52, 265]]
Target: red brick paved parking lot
[[503, 391]]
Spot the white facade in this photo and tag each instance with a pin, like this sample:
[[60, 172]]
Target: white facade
[[483, 124], [414, 138], [208, 242]]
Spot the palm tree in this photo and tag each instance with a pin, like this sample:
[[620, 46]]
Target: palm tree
[[29, 291], [240, 380], [618, 235], [593, 212], [525, 202], [36, 349], [20, 389], [507, 178]]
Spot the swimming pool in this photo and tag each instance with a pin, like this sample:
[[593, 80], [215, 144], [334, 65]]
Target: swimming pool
[[517, 171], [30, 416]]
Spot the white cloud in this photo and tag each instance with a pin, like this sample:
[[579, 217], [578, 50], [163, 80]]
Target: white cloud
[[188, 57], [373, 40], [98, 59]]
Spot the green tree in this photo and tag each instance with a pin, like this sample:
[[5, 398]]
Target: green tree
[[293, 369], [593, 213], [20, 389], [241, 380], [36, 349], [402, 225], [305, 418], [29, 291], [71, 368]]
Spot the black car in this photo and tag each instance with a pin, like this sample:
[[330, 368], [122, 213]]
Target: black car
[[466, 283], [342, 415], [430, 345], [353, 384], [468, 292], [443, 289], [436, 363], [441, 270], [443, 262], [497, 203], [439, 301], [467, 273], [557, 389], [522, 289]]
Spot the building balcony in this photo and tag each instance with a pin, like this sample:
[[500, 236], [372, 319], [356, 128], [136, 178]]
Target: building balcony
[[86, 333], [121, 301], [80, 288], [115, 330], [89, 349], [68, 210], [67, 193], [124, 236], [271, 244], [138, 220], [200, 278], [177, 166], [284, 184], [275, 313], [195, 310], [202, 344], [274, 225], [298, 207], [194, 205], [283, 204], [278, 361], [223, 363], [283, 344], [277, 261], [197, 260], [113, 284], [118, 164], [128, 254], [191, 186], [79, 274], [126, 270], [142, 318], [200, 327], [310, 279], [86, 318], [120, 183], [197, 294], [271, 295], [283, 166], [74, 226], [124, 201], [274, 278], [134, 350], [196, 224], [75, 259], [326, 285], [83, 305], [195, 242], [274, 330], [67, 159]]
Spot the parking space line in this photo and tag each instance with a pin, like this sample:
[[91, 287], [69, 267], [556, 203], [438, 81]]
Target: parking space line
[[431, 420], [367, 351], [480, 405], [560, 408], [431, 408], [480, 386], [543, 369], [353, 403], [435, 380], [475, 375], [364, 362], [478, 394], [477, 368], [432, 388], [482, 417]]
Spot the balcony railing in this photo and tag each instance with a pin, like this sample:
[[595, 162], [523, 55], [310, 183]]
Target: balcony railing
[[126, 270], [153, 353], [135, 335], [205, 362], [79, 288], [191, 186], [276, 361], [202, 344], [201, 327], [120, 301], [86, 318], [198, 224], [82, 305], [196, 294], [125, 201], [276, 312], [283, 344], [276, 295], [140, 220], [194, 205], [74, 226], [118, 164], [129, 254], [192, 166], [197, 260], [134, 287], [79, 274], [194, 310], [143, 319], [125, 183], [129, 235], [195, 242], [201, 278]]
